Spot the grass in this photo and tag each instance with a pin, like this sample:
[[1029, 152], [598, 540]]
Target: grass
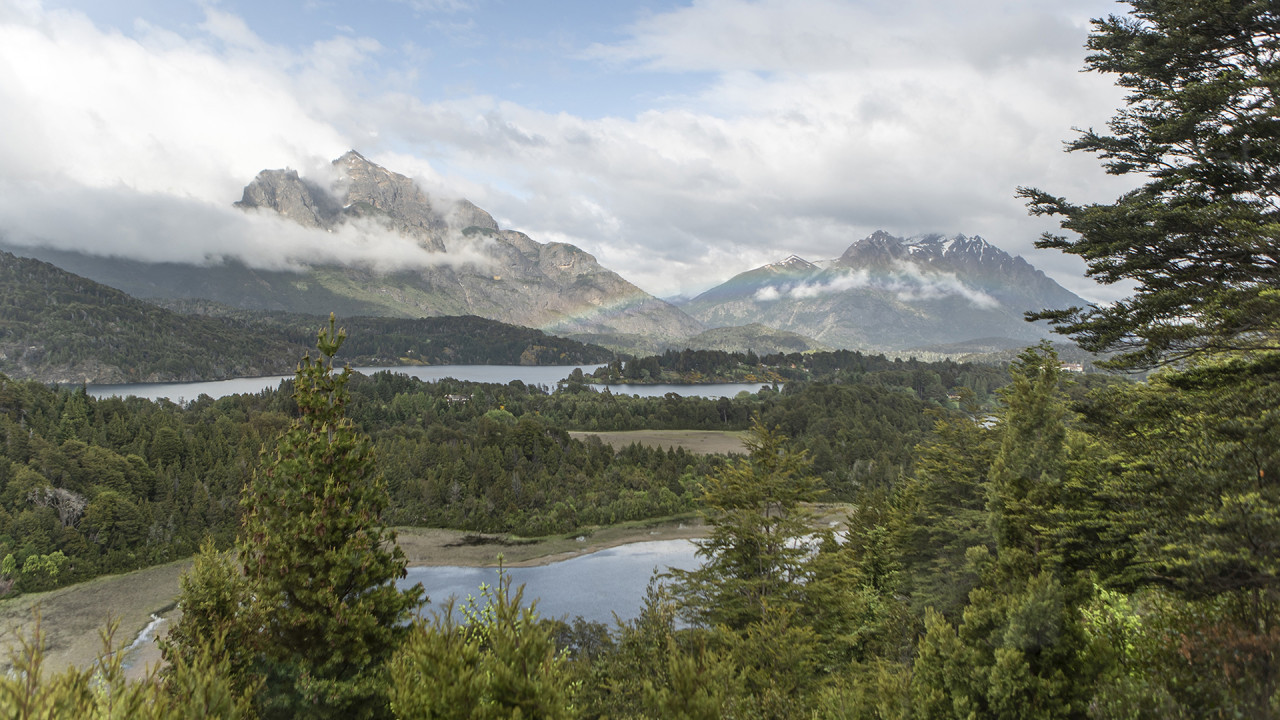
[[73, 618], [699, 442]]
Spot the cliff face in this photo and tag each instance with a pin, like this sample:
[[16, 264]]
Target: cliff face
[[510, 277], [891, 293]]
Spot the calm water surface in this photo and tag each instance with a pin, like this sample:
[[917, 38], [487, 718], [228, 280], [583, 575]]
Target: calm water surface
[[706, 390], [545, 375], [594, 586]]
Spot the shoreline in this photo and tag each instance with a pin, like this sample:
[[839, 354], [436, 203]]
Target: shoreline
[[72, 617], [432, 547]]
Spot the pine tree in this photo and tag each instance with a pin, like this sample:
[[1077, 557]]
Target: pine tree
[[320, 562], [756, 557], [1201, 126], [1027, 472]]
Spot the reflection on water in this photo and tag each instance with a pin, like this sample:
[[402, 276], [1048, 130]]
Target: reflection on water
[[706, 390], [544, 375], [547, 375], [594, 586]]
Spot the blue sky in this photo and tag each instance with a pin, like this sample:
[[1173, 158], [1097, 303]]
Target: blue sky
[[679, 142]]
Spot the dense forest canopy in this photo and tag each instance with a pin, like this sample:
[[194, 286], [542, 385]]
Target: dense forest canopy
[[1071, 549]]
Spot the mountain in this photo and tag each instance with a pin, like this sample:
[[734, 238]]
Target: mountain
[[59, 327], [463, 264], [891, 293]]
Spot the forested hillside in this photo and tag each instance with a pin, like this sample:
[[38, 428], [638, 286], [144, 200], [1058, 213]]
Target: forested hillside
[[90, 486], [60, 327], [1072, 550]]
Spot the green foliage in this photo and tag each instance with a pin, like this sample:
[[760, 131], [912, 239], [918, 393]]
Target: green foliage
[[1027, 472], [756, 556], [1182, 659], [1199, 237], [217, 604], [66, 326], [502, 663], [319, 561], [1191, 489], [941, 511], [1015, 655], [193, 687]]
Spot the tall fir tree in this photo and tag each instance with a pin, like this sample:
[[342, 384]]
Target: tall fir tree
[[757, 555], [1201, 128], [321, 564]]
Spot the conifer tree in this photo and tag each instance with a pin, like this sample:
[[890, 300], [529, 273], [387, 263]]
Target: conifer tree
[[1027, 472], [1201, 130], [756, 557], [321, 564]]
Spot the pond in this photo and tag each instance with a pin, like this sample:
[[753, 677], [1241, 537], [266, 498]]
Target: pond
[[594, 586]]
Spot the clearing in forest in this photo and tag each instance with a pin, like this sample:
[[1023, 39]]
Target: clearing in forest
[[701, 442]]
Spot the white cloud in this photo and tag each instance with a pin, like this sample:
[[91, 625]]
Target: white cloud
[[905, 281], [123, 222], [768, 293], [820, 122]]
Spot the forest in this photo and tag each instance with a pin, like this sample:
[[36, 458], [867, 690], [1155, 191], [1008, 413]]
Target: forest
[[60, 327], [91, 486], [1092, 549]]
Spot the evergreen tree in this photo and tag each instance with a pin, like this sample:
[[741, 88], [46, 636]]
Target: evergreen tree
[[1027, 472], [940, 511], [756, 558], [1201, 237], [321, 564], [502, 663]]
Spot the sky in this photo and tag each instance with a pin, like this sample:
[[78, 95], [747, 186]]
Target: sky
[[679, 142]]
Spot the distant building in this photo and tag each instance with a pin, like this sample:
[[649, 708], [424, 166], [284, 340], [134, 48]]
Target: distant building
[[457, 399], [1072, 367]]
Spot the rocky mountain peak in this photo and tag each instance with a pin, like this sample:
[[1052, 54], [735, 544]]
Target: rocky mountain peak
[[878, 248], [554, 286], [885, 289], [792, 263]]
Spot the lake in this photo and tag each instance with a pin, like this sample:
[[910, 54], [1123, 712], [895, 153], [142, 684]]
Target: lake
[[544, 375], [594, 586], [707, 390], [547, 375]]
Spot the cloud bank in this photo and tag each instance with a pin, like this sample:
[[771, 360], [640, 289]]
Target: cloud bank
[[905, 281], [813, 123]]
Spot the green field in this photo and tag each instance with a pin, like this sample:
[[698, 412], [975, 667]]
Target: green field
[[701, 442], [73, 618]]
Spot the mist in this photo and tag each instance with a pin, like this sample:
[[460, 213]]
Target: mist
[[907, 282], [158, 227]]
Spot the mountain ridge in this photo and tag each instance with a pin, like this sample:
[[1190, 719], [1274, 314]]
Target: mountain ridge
[[456, 261], [891, 293]]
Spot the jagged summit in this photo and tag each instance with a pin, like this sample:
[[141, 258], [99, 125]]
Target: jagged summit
[[791, 263], [885, 290], [465, 264], [506, 275]]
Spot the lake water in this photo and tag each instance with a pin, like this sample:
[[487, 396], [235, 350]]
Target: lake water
[[707, 390], [594, 586], [545, 375]]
